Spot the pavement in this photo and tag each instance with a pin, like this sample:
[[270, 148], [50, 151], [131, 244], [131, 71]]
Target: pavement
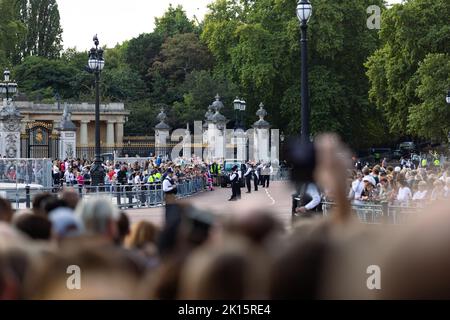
[[275, 199]]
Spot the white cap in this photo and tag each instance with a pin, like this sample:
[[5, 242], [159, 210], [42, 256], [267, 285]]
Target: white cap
[[370, 179], [397, 169]]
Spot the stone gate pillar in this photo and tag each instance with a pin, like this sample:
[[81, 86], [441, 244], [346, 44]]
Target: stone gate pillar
[[162, 135], [10, 128], [68, 136], [261, 136]]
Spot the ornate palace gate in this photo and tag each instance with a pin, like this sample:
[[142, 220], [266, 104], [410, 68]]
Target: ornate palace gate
[[39, 141]]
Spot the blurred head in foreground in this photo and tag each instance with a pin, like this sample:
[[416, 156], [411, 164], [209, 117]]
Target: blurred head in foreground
[[99, 217]]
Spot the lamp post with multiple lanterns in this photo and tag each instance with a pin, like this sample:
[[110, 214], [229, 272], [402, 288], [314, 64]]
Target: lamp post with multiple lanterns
[[8, 87], [304, 10], [96, 63], [239, 107]]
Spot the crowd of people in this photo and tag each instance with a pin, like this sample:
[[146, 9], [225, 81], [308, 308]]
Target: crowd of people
[[237, 255], [76, 172], [401, 185]]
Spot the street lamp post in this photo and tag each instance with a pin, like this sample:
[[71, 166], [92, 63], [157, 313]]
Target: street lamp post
[[237, 108], [447, 99], [243, 107], [96, 64], [304, 10], [8, 87]]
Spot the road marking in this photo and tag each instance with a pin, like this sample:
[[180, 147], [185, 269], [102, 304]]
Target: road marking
[[270, 197]]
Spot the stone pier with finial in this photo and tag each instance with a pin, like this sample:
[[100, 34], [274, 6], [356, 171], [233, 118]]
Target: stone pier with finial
[[162, 134], [261, 150], [217, 132]]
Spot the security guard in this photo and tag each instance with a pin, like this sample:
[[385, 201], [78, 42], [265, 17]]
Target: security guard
[[169, 187], [235, 184]]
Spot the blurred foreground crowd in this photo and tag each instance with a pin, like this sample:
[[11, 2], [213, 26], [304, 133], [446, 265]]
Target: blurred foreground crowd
[[238, 255]]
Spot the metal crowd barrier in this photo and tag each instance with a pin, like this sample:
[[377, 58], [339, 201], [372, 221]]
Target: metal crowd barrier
[[378, 213], [124, 196]]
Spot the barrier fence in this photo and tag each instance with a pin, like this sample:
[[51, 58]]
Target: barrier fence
[[382, 213], [124, 196], [25, 171]]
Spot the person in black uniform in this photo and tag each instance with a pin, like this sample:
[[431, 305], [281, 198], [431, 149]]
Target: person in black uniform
[[255, 176], [248, 178], [234, 179]]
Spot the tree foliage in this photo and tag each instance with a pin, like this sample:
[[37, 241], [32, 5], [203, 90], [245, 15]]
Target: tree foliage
[[409, 33], [44, 34]]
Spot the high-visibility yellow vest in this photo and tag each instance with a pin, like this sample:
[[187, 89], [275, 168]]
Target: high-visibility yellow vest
[[151, 179], [424, 162], [437, 163]]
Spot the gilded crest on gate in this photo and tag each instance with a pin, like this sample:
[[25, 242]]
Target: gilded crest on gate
[[39, 136]]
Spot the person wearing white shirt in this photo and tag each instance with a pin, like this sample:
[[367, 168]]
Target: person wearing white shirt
[[248, 177], [67, 177], [404, 192], [307, 200], [356, 188], [266, 172], [421, 194], [169, 187]]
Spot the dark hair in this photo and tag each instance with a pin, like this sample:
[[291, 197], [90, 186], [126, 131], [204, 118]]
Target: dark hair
[[123, 226], [54, 203], [6, 211], [37, 227], [39, 201]]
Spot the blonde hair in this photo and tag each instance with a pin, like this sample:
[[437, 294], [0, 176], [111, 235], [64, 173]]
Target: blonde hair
[[142, 233]]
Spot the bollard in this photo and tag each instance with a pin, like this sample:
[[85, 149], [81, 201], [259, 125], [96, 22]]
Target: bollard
[[117, 188], [27, 197], [385, 210]]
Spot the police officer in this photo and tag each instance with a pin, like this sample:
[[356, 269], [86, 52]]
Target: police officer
[[248, 177], [255, 176], [235, 184], [169, 187]]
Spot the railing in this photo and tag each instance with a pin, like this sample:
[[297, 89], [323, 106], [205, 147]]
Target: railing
[[282, 174], [379, 213], [124, 196], [25, 171]]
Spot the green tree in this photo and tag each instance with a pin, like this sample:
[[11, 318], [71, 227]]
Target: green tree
[[174, 21], [409, 32], [142, 117], [42, 78], [256, 44], [199, 90], [430, 117], [44, 34], [180, 55], [12, 33], [141, 53]]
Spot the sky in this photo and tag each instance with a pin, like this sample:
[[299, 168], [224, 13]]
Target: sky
[[116, 20]]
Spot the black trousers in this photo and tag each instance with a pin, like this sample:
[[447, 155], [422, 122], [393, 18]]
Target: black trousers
[[265, 181], [234, 190], [248, 182], [238, 189], [255, 180]]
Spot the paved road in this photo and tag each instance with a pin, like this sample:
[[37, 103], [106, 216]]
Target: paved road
[[276, 199]]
